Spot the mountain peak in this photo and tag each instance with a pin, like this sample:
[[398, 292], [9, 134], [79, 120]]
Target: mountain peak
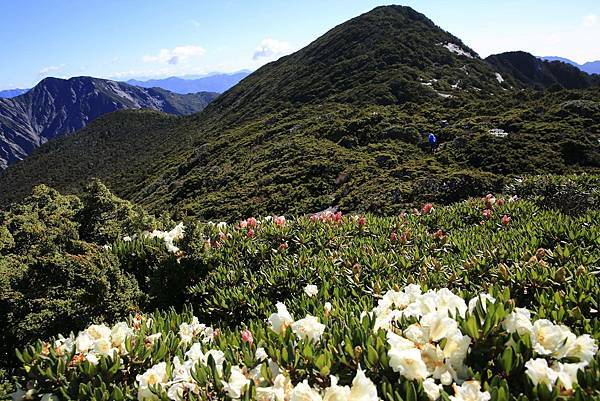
[[389, 55]]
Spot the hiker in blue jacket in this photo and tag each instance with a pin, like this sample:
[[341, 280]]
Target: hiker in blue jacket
[[432, 142]]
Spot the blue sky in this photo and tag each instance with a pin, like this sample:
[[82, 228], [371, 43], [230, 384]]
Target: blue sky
[[121, 39]]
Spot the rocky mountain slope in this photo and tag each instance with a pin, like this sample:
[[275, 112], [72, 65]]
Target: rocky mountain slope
[[530, 71], [55, 107], [342, 122]]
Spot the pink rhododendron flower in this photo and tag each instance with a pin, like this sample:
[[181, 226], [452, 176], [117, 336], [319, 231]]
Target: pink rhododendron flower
[[280, 221], [244, 223], [362, 221], [487, 213], [250, 233], [394, 237], [505, 220], [427, 208], [251, 222]]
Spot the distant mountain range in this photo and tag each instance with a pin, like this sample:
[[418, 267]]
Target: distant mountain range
[[56, 106], [5, 94], [591, 67], [212, 83], [217, 82]]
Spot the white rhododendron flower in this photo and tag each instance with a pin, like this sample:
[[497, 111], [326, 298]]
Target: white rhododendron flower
[[518, 321], [103, 346], [195, 353], [155, 376], [236, 384], [551, 339], [187, 331], [540, 373], [311, 290], [439, 325], [432, 389], [280, 320], [335, 392], [119, 333], [304, 392], [168, 236], [584, 348], [308, 328], [469, 391], [327, 308], [363, 388], [566, 373], [83, 343], [417, 334], [218, 356], [450, 303], [408, 362], [483, 299], [92, 358], [261, 354]]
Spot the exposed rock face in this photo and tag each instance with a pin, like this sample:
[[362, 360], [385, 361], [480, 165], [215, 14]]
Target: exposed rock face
[[55, 107]]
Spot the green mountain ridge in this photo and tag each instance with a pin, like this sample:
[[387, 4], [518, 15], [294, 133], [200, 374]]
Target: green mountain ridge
[[530, 71], [342, 123]]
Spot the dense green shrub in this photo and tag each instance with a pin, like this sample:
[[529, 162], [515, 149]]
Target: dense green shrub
[[54, 272], [571, 194]]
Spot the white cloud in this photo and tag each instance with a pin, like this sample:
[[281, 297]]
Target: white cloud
[[590, 20], [271, 48], [51, 69], [176, 55]]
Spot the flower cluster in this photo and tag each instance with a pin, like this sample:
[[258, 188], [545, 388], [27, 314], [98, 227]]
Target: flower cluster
[[309, 328], [431, 348], [95, 341], [327, 216], [178, 380], [168, 236], [552, 342]]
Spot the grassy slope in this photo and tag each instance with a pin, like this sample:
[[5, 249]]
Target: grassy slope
[[362, 158]]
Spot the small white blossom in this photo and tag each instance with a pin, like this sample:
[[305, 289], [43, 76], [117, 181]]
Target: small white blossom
[[469, 391], [540, 373], [236, 384], [432, 389], [311, 290], [280, 320], [308, 328]]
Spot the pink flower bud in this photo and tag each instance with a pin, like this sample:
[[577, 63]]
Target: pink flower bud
[[250, 233], [247, 336], [362, 221], [427, 208], [505, 220]]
